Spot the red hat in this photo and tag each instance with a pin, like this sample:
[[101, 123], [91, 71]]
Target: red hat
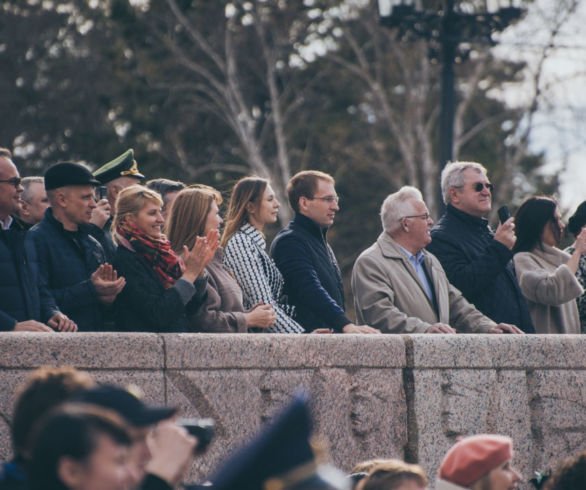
[[473, 457]]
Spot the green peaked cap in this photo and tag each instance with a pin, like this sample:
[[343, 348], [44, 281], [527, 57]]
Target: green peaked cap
[[122, 166]]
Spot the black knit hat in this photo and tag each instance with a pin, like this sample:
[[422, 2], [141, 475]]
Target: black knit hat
[[68, 173]]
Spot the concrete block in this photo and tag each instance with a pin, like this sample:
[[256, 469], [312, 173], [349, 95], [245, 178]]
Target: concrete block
[[83, 350], [280, 351]]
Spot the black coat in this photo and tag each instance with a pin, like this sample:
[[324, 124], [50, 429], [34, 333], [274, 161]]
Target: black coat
[[66, 261], [313, 282], [480, 267], [144, 305], [23, 295]]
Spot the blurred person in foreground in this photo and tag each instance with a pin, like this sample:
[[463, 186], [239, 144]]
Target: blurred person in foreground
[[162, 452], [281, 456], [394, 474], [360, 471], [162, 289], [547, 275], [569, 475], [479, 462], [26, 303], [80, 447], [477, 261], [576, 224], [399, 287], [195, 214], [43, 390]]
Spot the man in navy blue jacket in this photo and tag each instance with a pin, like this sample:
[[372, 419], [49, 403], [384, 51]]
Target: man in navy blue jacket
[[72, 262], [476, 260], [25, 302], [313, 282]]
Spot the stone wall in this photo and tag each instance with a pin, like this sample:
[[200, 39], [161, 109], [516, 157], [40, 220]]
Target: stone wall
[[374, 396]]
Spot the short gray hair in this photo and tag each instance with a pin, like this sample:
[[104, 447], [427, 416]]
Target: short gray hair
[[397, 206], [26, 183], [453, 176]]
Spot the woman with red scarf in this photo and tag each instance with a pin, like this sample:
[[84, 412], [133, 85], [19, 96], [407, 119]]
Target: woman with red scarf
[[162, 289]]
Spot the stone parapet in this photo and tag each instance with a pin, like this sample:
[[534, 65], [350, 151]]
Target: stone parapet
[[406, 396]]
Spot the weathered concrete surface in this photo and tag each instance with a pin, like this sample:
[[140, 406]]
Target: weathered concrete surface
[[373, 396]]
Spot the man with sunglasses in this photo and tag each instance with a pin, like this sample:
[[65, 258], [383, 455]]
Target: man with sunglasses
[[313, 282], [476, 260], [25, 302]]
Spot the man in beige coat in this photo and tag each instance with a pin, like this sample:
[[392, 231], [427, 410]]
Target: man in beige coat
[[401, 288]]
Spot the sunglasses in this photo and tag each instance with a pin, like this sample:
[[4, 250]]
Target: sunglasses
[[479, 186]]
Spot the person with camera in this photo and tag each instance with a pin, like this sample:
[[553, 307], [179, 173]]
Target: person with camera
[[162, 451]]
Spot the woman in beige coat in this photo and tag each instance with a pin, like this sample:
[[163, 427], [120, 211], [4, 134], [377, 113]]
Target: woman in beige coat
[[546, 274], [195, 213]]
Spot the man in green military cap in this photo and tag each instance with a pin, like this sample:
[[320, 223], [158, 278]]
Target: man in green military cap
[[116, 175]]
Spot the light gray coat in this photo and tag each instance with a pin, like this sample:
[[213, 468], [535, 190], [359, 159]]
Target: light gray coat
[[550, 288], [389, 295]]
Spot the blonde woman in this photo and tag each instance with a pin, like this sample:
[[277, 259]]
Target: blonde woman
[[253, 205], [161, 287], [195, 213]]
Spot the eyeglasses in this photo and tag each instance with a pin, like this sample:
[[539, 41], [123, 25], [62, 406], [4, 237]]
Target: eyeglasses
[[15, 181], [425, 216], [481, 185], [328, 199]]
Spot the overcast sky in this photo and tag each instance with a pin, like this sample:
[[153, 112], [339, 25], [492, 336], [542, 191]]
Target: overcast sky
[[560, 129]]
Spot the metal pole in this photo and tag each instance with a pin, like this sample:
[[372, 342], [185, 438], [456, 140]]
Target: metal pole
[[449, 44]]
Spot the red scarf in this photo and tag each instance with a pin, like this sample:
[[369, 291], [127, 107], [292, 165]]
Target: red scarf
[[167, 264]]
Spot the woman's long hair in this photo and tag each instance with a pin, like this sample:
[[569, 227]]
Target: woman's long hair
[[247, 189], [530, 221], [188, 215]]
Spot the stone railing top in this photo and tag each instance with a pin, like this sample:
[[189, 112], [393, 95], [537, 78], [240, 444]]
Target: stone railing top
[[273, 351], [474, 351]]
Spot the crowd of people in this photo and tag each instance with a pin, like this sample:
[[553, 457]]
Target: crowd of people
[[102, 252], [70, 433]]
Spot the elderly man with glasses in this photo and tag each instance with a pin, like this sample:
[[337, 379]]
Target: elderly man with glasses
[[25, 302], [476, 260], [401, 288]]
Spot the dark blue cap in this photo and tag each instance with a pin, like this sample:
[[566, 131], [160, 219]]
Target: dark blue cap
[[280, 456], [127, 405]]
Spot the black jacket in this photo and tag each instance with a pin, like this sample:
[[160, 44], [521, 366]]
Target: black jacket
[[23, 295], [144, 305], [66, 261], [313, 282], [480, 267], [104, 237]]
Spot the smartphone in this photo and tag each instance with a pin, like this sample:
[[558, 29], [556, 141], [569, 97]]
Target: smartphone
[[504, 213], [102, 192]]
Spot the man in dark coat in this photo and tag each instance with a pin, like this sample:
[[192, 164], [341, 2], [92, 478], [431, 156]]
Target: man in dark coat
[[25, 302], [476, 260], [72, 263], [313, 282]]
